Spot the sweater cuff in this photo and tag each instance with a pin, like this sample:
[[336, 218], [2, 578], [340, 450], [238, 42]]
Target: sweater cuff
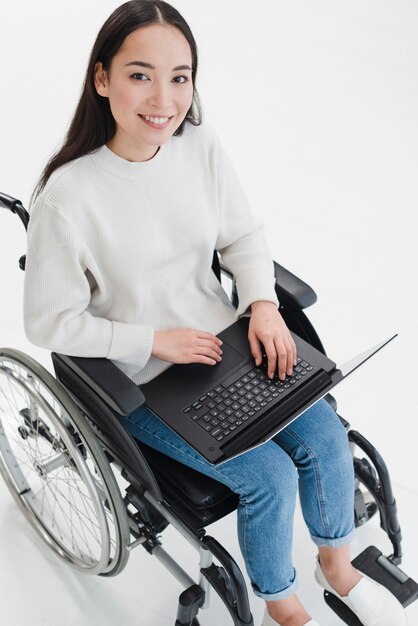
[[131, 343], [252, 287]]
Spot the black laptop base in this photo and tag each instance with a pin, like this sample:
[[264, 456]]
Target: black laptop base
[[224, 410]]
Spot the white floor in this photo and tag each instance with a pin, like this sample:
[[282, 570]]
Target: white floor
[[332, 169], [37, 589]]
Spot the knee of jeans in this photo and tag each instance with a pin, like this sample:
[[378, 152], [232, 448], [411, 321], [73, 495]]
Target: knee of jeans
[[326, 427], [337, 439], [320, 435], [337, 454], [271, 478]]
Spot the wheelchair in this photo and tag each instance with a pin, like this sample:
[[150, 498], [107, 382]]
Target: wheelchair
[[62, 449]]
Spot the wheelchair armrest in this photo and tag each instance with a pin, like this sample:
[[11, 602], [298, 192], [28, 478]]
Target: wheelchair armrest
[[292, 290], [107, 381]]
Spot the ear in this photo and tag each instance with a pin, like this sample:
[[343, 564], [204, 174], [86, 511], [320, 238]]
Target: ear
[[100, 79]]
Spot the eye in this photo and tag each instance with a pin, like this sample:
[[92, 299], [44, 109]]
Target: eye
[[184, 81], [137, 75]]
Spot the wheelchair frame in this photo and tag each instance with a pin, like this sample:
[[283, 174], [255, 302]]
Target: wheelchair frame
[[75, 414]]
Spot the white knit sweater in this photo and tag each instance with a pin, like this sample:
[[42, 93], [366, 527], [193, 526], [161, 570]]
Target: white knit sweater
[[118, 249]]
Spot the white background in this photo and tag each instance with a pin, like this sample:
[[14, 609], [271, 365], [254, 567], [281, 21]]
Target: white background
[[316, 103]]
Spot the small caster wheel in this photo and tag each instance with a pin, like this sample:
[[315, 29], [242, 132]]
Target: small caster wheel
[[23, 432]]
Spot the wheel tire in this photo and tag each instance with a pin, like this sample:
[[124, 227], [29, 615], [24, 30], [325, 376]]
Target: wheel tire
[[56, 470]]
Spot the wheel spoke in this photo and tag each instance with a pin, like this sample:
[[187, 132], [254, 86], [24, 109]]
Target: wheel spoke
[[60, 475], [71, 528]]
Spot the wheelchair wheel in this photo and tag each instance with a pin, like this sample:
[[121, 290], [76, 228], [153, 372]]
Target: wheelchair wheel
[[56, 470]]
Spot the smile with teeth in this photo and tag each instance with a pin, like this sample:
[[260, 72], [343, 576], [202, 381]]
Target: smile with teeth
[[156, 120]]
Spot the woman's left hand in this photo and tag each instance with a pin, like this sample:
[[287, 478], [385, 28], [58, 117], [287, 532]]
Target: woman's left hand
[[268, 326]]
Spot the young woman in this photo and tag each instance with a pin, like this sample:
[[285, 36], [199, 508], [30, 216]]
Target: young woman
[[126, 217]]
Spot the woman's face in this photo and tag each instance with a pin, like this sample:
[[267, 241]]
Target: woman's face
[[135, 89]]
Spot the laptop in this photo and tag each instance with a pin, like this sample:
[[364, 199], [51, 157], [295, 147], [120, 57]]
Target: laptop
[[226, 409]]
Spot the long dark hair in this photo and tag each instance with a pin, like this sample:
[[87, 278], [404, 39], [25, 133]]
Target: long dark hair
[[93, 124]]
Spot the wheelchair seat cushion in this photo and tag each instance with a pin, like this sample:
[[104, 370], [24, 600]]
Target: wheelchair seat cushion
[[205, 499]]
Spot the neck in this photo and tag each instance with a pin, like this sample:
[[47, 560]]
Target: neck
[[132, 153]]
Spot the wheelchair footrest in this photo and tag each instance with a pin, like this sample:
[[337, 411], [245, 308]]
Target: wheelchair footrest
[[377, 566]]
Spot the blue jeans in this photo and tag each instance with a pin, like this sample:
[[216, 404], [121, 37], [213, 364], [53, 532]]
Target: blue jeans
[[313, 452]]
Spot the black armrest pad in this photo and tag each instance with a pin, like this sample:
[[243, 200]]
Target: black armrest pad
[[108, 381], [292, 290]]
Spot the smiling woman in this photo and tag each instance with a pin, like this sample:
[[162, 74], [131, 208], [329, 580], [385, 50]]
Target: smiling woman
[[121, 240]]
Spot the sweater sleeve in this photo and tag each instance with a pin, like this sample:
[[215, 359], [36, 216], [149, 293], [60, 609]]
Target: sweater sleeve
[[57, 293], [241, 241]]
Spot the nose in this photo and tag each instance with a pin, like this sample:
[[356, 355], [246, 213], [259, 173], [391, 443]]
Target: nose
[[160, 96]]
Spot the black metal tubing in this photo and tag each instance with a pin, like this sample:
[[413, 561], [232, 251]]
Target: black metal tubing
[[15, 206], [381, 492], [232, 590], [8, 202]]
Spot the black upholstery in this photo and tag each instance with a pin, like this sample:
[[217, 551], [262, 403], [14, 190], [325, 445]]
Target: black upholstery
[[107, 381], [291, 290], [196, 498]]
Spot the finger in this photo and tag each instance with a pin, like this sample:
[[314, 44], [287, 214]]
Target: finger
[[205, 335], [255, 348], [295, 351], [282, 357], [210, 352], [201, 358], [271, 354], [208, 343], [290, 355]]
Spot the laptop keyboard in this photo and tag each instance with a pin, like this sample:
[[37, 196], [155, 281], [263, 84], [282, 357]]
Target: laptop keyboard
[[226, 408]]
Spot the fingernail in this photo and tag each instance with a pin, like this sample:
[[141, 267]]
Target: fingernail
[[283, 376], [289, 372]]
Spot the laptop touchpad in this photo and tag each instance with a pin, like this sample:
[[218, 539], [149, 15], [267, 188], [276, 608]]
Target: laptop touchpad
[[230, 359], [200, 373]]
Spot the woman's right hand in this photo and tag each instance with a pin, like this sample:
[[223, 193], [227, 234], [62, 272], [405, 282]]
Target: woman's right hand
[[186, 345]]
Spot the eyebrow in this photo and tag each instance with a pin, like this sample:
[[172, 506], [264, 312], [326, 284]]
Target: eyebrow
[[151, 67]]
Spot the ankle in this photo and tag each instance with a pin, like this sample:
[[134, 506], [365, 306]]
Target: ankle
[[341, 579], [299, 617]]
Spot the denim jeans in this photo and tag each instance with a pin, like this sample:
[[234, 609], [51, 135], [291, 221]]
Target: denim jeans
[[312, 453]]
